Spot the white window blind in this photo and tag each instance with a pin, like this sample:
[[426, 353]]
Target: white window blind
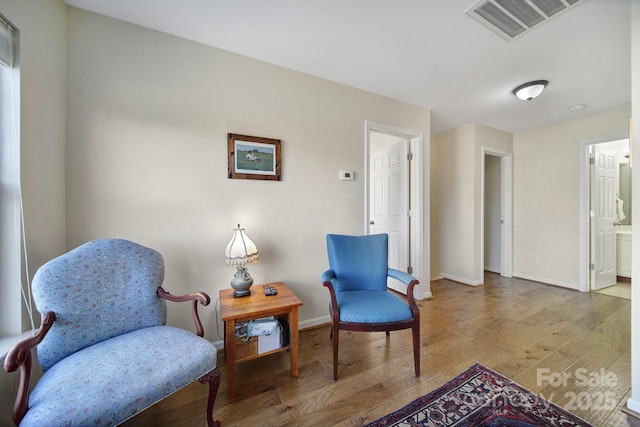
[[12, 290], [6, 43]]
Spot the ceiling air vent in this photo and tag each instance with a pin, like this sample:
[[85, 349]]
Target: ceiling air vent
[[513, 18]]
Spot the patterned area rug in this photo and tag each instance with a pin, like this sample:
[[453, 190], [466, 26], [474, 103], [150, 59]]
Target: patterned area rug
[[480, 397]]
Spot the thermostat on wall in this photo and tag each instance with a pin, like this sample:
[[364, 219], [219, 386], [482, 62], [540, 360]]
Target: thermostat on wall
[[346, 175]]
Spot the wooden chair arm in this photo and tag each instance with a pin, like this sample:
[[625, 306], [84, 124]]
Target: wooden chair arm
[[411, 282], [412, 301], [335, 310], [196, 297], [19, 357]]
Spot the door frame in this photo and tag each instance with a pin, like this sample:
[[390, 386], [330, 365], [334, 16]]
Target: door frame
[[416, 196], [506, 209], [585, 276]]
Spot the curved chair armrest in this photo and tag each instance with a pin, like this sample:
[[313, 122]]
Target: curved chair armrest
[[19, 357], [196, 297], [405, 278], [411, 282], [326, 278]]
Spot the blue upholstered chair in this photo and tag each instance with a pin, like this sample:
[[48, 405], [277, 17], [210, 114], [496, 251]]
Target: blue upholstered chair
[[360, 301], [103, 344]]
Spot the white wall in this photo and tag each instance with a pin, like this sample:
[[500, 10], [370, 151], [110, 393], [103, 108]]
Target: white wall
[[42, 25], [456, 220], [547, 191], [148, 117]]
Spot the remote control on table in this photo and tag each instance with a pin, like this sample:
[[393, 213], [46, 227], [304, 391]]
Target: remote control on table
[[270, 290]]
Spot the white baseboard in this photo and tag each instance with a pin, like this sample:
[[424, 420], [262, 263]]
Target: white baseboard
[[462, 280], [547, 281], [315, 322], [633, 405]]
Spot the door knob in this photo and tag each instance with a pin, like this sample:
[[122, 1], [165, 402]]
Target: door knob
[[370, 222]]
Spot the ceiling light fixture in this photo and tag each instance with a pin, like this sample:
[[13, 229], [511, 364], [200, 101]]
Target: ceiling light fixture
[[531, 90]]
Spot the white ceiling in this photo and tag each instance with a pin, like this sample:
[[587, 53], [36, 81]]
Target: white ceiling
[[424, 52]]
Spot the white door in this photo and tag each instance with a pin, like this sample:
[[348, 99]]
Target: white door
[[389, 204], [603, 207]]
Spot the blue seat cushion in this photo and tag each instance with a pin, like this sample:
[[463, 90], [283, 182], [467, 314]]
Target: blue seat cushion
[[372, 307], [109, 382]]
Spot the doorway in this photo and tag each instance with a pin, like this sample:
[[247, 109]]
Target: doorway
[[492, 215], [588, 257], [610, 216], [497, 212], [389, 171], [394, 197]]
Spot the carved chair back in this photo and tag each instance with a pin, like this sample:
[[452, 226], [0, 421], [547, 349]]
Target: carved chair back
[[99, 290]]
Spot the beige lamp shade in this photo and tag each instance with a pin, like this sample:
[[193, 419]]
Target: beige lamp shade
[[240, 250]]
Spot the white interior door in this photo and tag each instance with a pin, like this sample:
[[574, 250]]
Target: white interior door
[[389, 203], [603, 207]]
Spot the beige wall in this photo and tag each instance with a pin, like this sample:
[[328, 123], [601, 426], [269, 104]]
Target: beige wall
[[148, 117], [456, 220], [547, 195], [452, 186], [42, 26], [124, 135], [546, 187]]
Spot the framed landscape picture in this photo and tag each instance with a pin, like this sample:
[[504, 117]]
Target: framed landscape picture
[[252, 157]]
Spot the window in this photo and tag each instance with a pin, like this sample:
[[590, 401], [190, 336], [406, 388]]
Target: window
[[11, 306]]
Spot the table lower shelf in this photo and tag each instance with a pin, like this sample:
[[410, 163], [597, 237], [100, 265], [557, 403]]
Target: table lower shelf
[[249, 350]]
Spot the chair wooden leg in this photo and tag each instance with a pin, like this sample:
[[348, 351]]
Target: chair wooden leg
[[416, 347], [336, 334], [213, 378]]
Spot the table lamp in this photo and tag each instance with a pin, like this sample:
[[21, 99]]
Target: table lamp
[[239, 252]]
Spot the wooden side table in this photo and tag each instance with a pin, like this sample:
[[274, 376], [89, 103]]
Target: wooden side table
[[242, 309]]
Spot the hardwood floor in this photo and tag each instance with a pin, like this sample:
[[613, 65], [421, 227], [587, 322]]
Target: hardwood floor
[[525, 330], [622, 289]]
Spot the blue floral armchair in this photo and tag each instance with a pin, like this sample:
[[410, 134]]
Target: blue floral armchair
[[103, 345], [360, 301]]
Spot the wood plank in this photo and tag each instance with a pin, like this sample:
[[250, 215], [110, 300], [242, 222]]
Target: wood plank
[[522, 329]]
